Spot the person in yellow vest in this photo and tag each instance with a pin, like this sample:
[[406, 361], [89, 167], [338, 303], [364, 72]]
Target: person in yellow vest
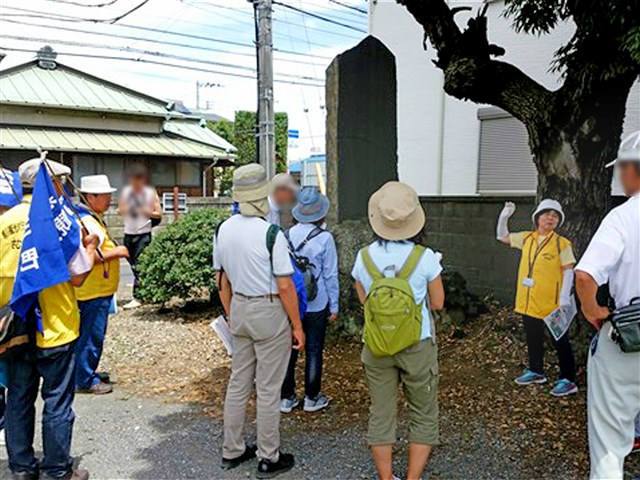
[[545, 281], [52, 355], [96, 294]]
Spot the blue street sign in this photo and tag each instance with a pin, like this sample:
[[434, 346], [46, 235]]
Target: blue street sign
[[294, 133]]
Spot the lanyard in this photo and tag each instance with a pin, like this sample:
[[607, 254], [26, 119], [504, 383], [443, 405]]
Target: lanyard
[[538, 251]]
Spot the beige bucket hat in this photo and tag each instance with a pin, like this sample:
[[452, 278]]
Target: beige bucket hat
[[395, 212], [250, 183]]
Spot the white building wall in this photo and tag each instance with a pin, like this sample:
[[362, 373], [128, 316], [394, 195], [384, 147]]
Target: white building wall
[[438, 136]]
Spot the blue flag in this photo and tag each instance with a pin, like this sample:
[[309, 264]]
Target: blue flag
[[10, 186], [51, 239]]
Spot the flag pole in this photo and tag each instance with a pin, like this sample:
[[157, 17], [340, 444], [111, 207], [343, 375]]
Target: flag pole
[[56, 180], [4, 175]]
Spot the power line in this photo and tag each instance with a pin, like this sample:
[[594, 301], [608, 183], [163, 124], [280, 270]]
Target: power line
[[159, 42], [319, 17], [278, 20], [146, 52], [350, 7], [165, 64], [80, 4], [43, 15]]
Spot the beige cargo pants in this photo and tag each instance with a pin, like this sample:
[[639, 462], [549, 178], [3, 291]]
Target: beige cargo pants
[[261, 351]]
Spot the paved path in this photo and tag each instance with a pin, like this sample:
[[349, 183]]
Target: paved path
[[117, 437]]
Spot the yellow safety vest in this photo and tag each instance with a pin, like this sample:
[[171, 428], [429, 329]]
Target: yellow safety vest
[[541, 263], [96, 285], [58, 304]]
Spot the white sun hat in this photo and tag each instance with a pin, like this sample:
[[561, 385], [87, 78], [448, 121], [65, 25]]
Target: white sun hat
[[629, 150], [96, 184], [29, 170], [548, 204]]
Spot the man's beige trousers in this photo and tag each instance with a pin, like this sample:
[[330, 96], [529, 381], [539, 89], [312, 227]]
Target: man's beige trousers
[[261, 351]]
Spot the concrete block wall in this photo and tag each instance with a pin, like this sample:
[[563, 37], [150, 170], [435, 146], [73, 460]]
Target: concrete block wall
[[116, 227], [464, 230]]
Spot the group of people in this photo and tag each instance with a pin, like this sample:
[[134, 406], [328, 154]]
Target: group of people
[[258, 291], [256, 277], [279, 288], [67, 325]]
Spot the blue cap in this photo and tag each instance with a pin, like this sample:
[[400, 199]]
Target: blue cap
[[312, 206]]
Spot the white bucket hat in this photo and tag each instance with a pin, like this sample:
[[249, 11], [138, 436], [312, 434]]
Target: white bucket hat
[[29, 170], [96, 184], [629, 150], [395, 212], [548, 204]]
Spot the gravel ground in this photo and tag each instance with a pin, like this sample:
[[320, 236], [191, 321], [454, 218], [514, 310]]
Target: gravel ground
[[164, 420], [120, 437]]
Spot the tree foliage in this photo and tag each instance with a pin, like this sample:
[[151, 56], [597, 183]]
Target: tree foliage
[[178, 263], [241, 133]]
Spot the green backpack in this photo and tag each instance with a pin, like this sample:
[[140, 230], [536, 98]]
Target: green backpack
[[392, 318]]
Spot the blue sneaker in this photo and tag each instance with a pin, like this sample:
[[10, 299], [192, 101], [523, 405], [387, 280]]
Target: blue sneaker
[[529, 378], [288, 404], [564, 387]]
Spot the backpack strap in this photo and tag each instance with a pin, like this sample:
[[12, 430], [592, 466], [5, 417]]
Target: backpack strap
[[369, 265], [313, 234], [412, 262], [272, 234]]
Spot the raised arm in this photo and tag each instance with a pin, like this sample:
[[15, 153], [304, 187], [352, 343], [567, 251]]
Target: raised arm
[[502, 229]]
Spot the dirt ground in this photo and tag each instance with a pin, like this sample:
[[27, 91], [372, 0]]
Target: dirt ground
[[174, 355]]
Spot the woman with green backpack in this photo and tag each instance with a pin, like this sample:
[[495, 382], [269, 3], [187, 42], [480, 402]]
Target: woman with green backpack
[[398, 281]]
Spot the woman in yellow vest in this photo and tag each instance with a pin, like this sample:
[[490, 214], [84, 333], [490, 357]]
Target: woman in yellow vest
[[96, 294], [545, 280]]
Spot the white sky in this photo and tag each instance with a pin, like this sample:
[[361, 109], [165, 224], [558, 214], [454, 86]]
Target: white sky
[[226, 20]]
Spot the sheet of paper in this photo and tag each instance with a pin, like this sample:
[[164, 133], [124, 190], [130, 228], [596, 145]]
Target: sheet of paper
[[560, 320], [221, 327]]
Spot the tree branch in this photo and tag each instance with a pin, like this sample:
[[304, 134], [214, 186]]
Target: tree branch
[[470, 71]]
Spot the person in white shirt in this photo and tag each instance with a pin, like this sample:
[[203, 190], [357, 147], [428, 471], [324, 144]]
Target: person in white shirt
[[140, 208], [284, 191], [613, 376], [259, 297]]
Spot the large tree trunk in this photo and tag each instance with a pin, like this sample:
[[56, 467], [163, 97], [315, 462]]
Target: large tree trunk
[[574, 131]]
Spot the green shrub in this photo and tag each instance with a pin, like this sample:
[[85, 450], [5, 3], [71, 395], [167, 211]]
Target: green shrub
[[178, 262]]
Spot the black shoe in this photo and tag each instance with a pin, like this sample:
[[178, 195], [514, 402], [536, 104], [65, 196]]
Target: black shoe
[[24, 476], [72, 475], [249, 454], [267, 469]]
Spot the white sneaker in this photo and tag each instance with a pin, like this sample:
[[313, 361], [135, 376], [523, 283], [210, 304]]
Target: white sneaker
[[132, 304], [316, 405], [288, 404], [3, 438]]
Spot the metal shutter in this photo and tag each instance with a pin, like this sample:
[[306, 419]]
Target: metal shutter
[[505, 164]]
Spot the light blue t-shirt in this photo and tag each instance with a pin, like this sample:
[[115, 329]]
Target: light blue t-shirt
[[389, 257]]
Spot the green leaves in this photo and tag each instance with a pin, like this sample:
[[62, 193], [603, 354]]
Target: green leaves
[[179, 261]]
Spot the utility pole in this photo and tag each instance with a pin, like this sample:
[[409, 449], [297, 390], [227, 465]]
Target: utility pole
[[266, 138]]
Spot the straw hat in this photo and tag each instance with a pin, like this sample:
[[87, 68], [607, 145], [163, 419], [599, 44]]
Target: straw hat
[[96, 184], [312, 206], [29, 170], [250, 183], [395, 212]]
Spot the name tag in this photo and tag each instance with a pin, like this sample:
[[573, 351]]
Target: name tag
[[528, 282]]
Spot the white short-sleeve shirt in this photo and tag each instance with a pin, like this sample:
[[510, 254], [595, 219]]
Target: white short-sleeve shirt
[[240, 249], [613, 255], [392, 256]]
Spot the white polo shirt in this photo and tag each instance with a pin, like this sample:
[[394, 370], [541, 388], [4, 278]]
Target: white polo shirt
[[240, 249], [614, 252]]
